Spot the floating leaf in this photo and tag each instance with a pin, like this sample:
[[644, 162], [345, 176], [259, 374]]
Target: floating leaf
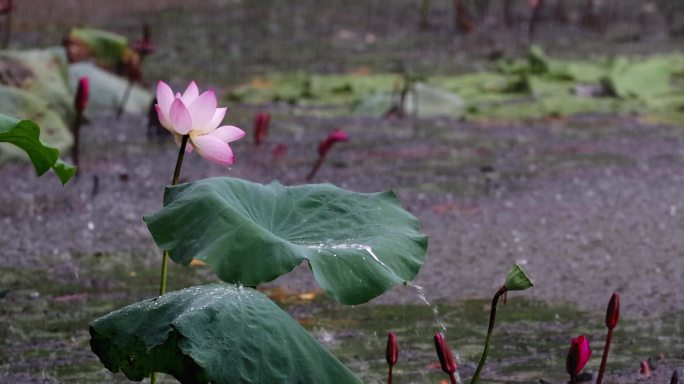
[[357, 245], [25, 134], [213, 334], [643, 79]]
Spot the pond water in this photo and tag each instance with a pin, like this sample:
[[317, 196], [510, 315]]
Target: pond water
[[46, 337]]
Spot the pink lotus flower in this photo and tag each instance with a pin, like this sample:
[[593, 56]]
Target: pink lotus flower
[[197, 115], [578, 355]]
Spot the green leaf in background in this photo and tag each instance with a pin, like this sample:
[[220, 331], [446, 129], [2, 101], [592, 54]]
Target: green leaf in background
[[358, 245], [107, 89], [25, 134], [641, 79], [106, 47], [43, 74], [213, 334]]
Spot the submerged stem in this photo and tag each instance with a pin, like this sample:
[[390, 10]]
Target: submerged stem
[[490, 330], [165, 257]]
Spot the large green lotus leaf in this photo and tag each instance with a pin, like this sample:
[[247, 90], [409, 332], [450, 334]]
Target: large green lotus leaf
[[42, 73], [357, 245], [213, 334], [25, 135], [107, 90]]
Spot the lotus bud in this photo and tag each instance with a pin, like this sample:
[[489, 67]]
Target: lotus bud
[[334, 137], [392, 353], [279, 151], [645, 369], [517, 279], [446, 358], [6, 6], [261, 123], [578, 355], [613, 312], [81, 99], [145, 46]]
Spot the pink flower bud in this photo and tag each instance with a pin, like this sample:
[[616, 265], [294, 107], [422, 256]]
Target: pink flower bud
[[645, 369], [334, 137], [613, 312], [145, 46], [578, 355], [446, 358], [279, 151], [6, 6], [392, 352], [81, 99], [261, 123]]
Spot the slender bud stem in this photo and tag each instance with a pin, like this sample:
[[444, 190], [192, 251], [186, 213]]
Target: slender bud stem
[[604, 358], [389, 375], [315, 168], [165, 257], [124, 100], [76, 132], [490, 330]]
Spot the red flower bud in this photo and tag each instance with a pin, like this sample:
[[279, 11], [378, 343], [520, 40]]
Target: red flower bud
[[578, 355], [6, 7], [145, 46], [392, 353], [334, 137], [261, 122], [81, 99], [613, 312], [279, 151], [645, 369], [446, 358]]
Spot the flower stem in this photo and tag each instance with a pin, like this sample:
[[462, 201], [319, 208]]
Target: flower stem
[[452, 378], [389, 375], [315, 168], [165, 257], [606, 348], [176, 176], [490, 330]]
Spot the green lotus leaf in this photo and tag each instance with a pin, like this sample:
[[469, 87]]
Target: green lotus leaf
[[357, 245], [25, 134], [213, 334]]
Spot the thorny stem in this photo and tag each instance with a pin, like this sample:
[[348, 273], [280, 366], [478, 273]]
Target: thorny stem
[[165, 258], [606, 348], [490, 330]]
